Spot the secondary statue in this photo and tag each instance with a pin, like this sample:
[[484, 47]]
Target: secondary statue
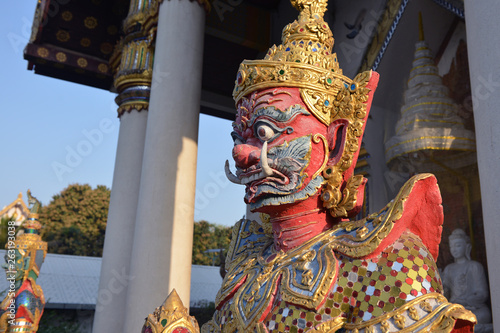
[[310, 267]]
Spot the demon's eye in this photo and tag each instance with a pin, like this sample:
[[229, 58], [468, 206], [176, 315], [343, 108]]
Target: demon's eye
[[268, 131], [265, 132]]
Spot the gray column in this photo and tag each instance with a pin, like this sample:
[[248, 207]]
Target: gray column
[[115, 268], [483, 41], [161, 258]]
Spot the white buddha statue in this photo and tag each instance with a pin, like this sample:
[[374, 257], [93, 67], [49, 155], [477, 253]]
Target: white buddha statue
[[465, 282]]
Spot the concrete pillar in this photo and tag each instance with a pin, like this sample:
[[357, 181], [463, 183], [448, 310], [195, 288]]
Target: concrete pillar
[[161, 258], [481, 18], [115, 268], [132, 63]]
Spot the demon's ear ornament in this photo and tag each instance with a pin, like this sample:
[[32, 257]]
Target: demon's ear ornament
[[343, 193]]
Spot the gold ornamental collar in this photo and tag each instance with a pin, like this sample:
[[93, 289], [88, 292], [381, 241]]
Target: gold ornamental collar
[[304, 60]]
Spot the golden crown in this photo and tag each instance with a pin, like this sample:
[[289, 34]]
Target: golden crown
[[304, 60]]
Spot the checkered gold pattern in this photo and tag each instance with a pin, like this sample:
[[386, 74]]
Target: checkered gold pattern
[[365, 289]]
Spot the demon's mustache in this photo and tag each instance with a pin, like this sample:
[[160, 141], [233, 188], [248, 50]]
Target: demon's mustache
[[280, 165], [267, 171]]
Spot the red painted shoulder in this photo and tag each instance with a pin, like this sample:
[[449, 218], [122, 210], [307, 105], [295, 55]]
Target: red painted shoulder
[[422, 214]]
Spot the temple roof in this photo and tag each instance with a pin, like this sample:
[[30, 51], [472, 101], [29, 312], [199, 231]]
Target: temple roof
[[16, 207], [71, 282], [73, 40]]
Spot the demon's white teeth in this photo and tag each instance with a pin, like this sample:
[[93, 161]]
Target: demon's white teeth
[[257, 176]]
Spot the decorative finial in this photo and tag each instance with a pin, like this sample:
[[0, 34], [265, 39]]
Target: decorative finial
[[32, 220], [421, 36], [172, 316], [313, 9]]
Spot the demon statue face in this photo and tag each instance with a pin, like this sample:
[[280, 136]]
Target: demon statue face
[[297, 137], [285, 154], [273, 151]]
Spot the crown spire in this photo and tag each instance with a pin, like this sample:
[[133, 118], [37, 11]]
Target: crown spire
[[304, 60], [421, 36], [310, 8]]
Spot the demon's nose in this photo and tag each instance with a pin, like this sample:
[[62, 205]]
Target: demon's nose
[[246, 155]]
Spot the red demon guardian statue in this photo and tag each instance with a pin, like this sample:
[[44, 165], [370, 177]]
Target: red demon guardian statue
[[309, 268]]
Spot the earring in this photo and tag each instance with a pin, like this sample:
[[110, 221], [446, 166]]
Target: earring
[[338, 202]]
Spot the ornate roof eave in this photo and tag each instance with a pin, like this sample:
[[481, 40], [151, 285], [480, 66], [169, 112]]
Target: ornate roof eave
[[41, 12], [387, 27], [64, 46], [63, 59], [18, 201]]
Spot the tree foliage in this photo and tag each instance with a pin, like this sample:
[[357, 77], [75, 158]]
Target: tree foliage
[[208, 236], [74, 222], [4, 229], [59, 321]]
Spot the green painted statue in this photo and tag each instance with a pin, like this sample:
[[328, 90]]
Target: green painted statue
[[23, 305]]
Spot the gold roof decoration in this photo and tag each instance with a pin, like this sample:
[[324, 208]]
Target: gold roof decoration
[[30, 239], [172, 316], [304, 60]]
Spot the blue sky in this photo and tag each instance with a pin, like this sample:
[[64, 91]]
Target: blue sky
[[45, 120]]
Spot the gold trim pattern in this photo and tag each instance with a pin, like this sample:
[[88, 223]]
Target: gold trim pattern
[[317, 138], [141, 11], [439, 316], [391, 12], [42, 52], [431, 137], [172, 316], [37, 21], [67, 15], [90, 22], [365, 243], [61, 56], [428, 103], [82, 62], [350, 104], [62, 36], [254, 270]]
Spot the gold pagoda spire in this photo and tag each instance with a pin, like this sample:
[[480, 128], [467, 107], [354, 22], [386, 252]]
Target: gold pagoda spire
[[421, 35]]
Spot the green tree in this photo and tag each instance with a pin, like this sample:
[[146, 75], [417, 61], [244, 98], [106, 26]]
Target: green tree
[[4, 229], [59, 321], [74, 222], [208, 236]]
